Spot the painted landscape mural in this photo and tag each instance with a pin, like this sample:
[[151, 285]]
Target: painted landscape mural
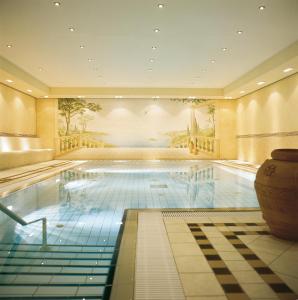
[[134, 123]]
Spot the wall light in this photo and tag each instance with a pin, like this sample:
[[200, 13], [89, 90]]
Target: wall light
[[288, 70], [260, 82]]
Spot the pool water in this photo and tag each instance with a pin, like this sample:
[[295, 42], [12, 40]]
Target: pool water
[[85, 205]]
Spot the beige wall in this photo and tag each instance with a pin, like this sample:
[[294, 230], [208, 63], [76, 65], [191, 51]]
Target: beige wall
[[268, 119], [46, 119], [226, 128], [17, 112]]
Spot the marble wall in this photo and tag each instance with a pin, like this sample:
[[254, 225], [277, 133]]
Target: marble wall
[[268, 119]]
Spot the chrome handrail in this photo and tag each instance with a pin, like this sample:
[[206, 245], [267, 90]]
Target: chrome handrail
[[21, 221]]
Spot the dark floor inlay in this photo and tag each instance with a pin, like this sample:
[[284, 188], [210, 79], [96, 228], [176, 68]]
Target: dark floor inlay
[[263, 270], [232, 288], [231, 237], [280, 288], [230, 224], [206, 246], [212, 257], [200, 237], [263, 232], [250, 256], [239, 232], [240, 246], [208, 224], [195, 229], [221, 271]]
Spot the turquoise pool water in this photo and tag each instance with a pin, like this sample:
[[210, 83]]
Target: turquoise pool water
[[85, 205]]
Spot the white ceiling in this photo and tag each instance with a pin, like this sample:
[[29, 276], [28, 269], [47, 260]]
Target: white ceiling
[[119, 34]]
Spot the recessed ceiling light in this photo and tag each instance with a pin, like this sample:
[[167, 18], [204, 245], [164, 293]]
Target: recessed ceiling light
[[288, 70], [46, 96], [40, 69], [30, 91], [118, 97], [82, 46], [160, 5], [154, 47], [242, 92], [90, 59], [151, 60], [71, 29], [212, 61], [224, 49], [156, 30], [9, 80], [239, 31], [9, 46], [262, 7], [260, 82], [57, 4]]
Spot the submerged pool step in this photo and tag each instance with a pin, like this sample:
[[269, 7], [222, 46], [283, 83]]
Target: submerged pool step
[[57, 272]]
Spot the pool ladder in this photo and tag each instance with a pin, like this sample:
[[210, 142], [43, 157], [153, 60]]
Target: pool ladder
[[21, 221]]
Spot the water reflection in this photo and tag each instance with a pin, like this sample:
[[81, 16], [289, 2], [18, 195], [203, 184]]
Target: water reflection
[[90, 200]]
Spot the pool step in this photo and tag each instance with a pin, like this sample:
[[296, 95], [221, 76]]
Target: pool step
[[28, 271]]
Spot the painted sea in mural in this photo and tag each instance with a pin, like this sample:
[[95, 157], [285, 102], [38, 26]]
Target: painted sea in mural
[[135, 123]]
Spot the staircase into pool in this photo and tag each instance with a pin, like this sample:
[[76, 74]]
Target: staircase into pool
[[28, 271]]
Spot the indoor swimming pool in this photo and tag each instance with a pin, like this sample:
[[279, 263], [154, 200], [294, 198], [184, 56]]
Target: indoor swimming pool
[[84, 207], [85, 204]]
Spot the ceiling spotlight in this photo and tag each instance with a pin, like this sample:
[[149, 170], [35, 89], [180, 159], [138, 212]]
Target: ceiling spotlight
[[9, 80], [71, 29], [82, 46], [9, 46], [46, 96], [260, 82], [57, 4], [239, 31], [224, 49], [154, 47], [262, 7], [40, 69], [212, 61], [288, 70], [242, 92], [30, 91], [90, 59], [151, 60], [156, 30], [160, 5]]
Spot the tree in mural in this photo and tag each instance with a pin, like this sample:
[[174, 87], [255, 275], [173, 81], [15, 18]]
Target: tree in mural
[[211, 112], [70, 107]]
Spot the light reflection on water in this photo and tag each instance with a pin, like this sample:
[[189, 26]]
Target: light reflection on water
[[90, 200]]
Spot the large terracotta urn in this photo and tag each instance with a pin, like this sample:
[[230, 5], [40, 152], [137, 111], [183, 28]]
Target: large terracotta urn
[[277, 191]]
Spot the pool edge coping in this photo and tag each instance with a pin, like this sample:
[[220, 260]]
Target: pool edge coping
[[123, 285]]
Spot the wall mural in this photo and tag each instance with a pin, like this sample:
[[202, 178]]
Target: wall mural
[[179, 123]]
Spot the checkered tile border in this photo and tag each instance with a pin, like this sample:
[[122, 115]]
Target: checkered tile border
[[227, 280]]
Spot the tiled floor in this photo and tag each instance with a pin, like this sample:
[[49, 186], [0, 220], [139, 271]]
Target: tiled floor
[[232, 257]]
